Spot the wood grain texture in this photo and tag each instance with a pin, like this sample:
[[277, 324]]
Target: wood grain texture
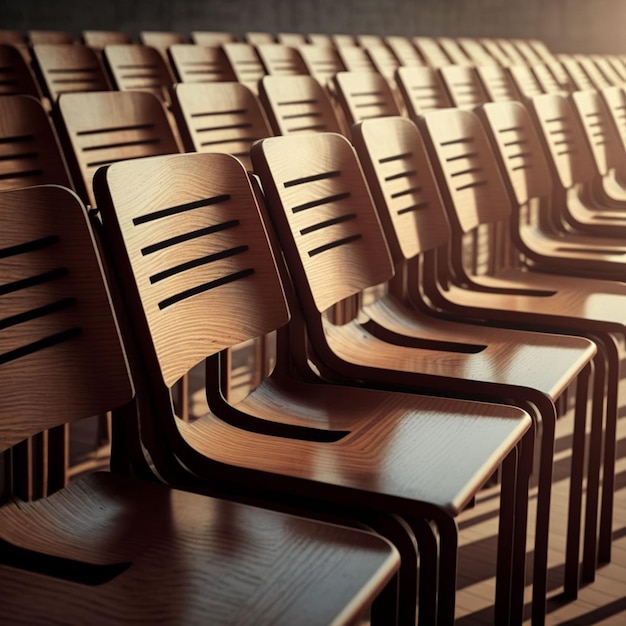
[[464, 86], [245, 63]]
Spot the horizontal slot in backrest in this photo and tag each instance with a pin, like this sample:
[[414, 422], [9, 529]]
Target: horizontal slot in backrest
[[384, 61], [526, 81], [245, 63], [422, 90], [200, 64], [137, 67], [281, 60], [321, 62], [497, 83], [356, 59], [464, 86], [431, 51], [364, 95]]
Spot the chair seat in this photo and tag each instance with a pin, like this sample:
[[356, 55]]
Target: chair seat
[[246, 562]]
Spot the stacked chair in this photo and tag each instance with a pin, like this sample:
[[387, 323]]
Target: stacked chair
[[420, 239]]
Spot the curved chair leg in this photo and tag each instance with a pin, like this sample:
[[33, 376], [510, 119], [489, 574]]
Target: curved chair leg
[[428, 570]]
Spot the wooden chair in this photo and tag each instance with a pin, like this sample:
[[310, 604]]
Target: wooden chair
[[476, 52], [455, 52], [528, 52], [576, 73], [246, 64], [222, 117], [367, 41], [343, 39], [36, 37], [356, 59], [512, 53], [432, 53], [464, 86], [322, 62], [608, 70], [281, 60], [97, 39], [211, 38], [17, 77], [385, 61], [553, 78], [404, 356], [497, 83], [295, 440], [114, 548], [538, 233], [320, 39], [65, 68], [162, 41], [542, 50], [422, 90], [525, 80], [297, 104], [404, 50], [98, 128], [256, 38], [363, 95], [293, 40], [495, 51], [200, 64], [475, 195], [135, 67]]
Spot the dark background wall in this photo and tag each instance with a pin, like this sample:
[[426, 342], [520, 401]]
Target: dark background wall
[[565, 25]]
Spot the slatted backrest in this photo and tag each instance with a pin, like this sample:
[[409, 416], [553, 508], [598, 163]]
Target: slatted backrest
[[104, 127], [527, 51], [211, 38], [135, 67], [618, 65], [200, 64], [519, 148], [222, 117], [495, 51], [36, 37], [343, 39], [552, 78], [577, 74], [65, 68], [320, 39], [563, 137], [29, 150], [99, 38], [597, 78], [422, 90], [297, 104], [192, 256], [474, 49], [384, 60], [608, 71], [322, 62], [161, 40], [15, 74], [511, 52], [60, 357], [403, 185], [497, 83], [13, 37], [364, 95], [600, 132], [454, 51], [465, 165], [365, 41], [464, 86], [323, 212], [256, 38], [281, 59], [356, 59], [245, 63], [291, 39], [526, 81], [615, 100], [404, 50], [431, 51], [542, 50]]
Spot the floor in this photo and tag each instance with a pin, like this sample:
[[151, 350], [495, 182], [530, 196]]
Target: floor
[[602, 603]]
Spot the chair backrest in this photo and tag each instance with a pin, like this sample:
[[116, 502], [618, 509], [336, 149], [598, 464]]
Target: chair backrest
[[356, 59], [61, 357], [161, 40], [464, 86], [615, 100], [320, 39], [542, 50], [525, 81], [211, 38], [245, 63], [65, 68], [564, 139], [297, 104], [36, 37], [256, 38], [422, 90], [13, 37], [291, 39], [476, 52], [405, 192], [497, 83], [323, 212], [604, 66], [97, 39], [404, 50], [511, 51], [281, 60], [103, 127], [384, 60], [222, 117], [597, 78], [430, 50], [200, 64], [576, 73], [192, 258], [364, 95], [529, 54], [618, 65], [365, 41], [343, 39], [322, 62], [16, 76], [553, 78], [454, 52], [495, 51], [135, 67], [29, 148]]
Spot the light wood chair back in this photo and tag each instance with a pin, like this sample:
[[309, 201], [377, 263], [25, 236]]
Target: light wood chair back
[[211, 38], [322, 62], [384, 60], [404, 50], [29, 149], [356, 59], [343, 39], [525, 81], [36, 37], [320, 39], [160, 39], [455, 52], [193, 63], [97, 39], [495, 51], [281, 60], [611, 75], [103, 127], [256, 38], [476, 52], [17, 77], [58, 321], [615, 100], [135, 67], [527, 51], [292, 40], [422, 90], [510, 50], [497, 83], [297, 104], [221, 117], [576, 73], [430, 50], [65, 68], [542, 50], [364, 95], [245, 63], [553, 78], [464, 86], [365, 41]]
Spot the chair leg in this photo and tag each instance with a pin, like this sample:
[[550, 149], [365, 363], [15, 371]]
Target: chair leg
[[58, 461], [446, 579], [428, 551]]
